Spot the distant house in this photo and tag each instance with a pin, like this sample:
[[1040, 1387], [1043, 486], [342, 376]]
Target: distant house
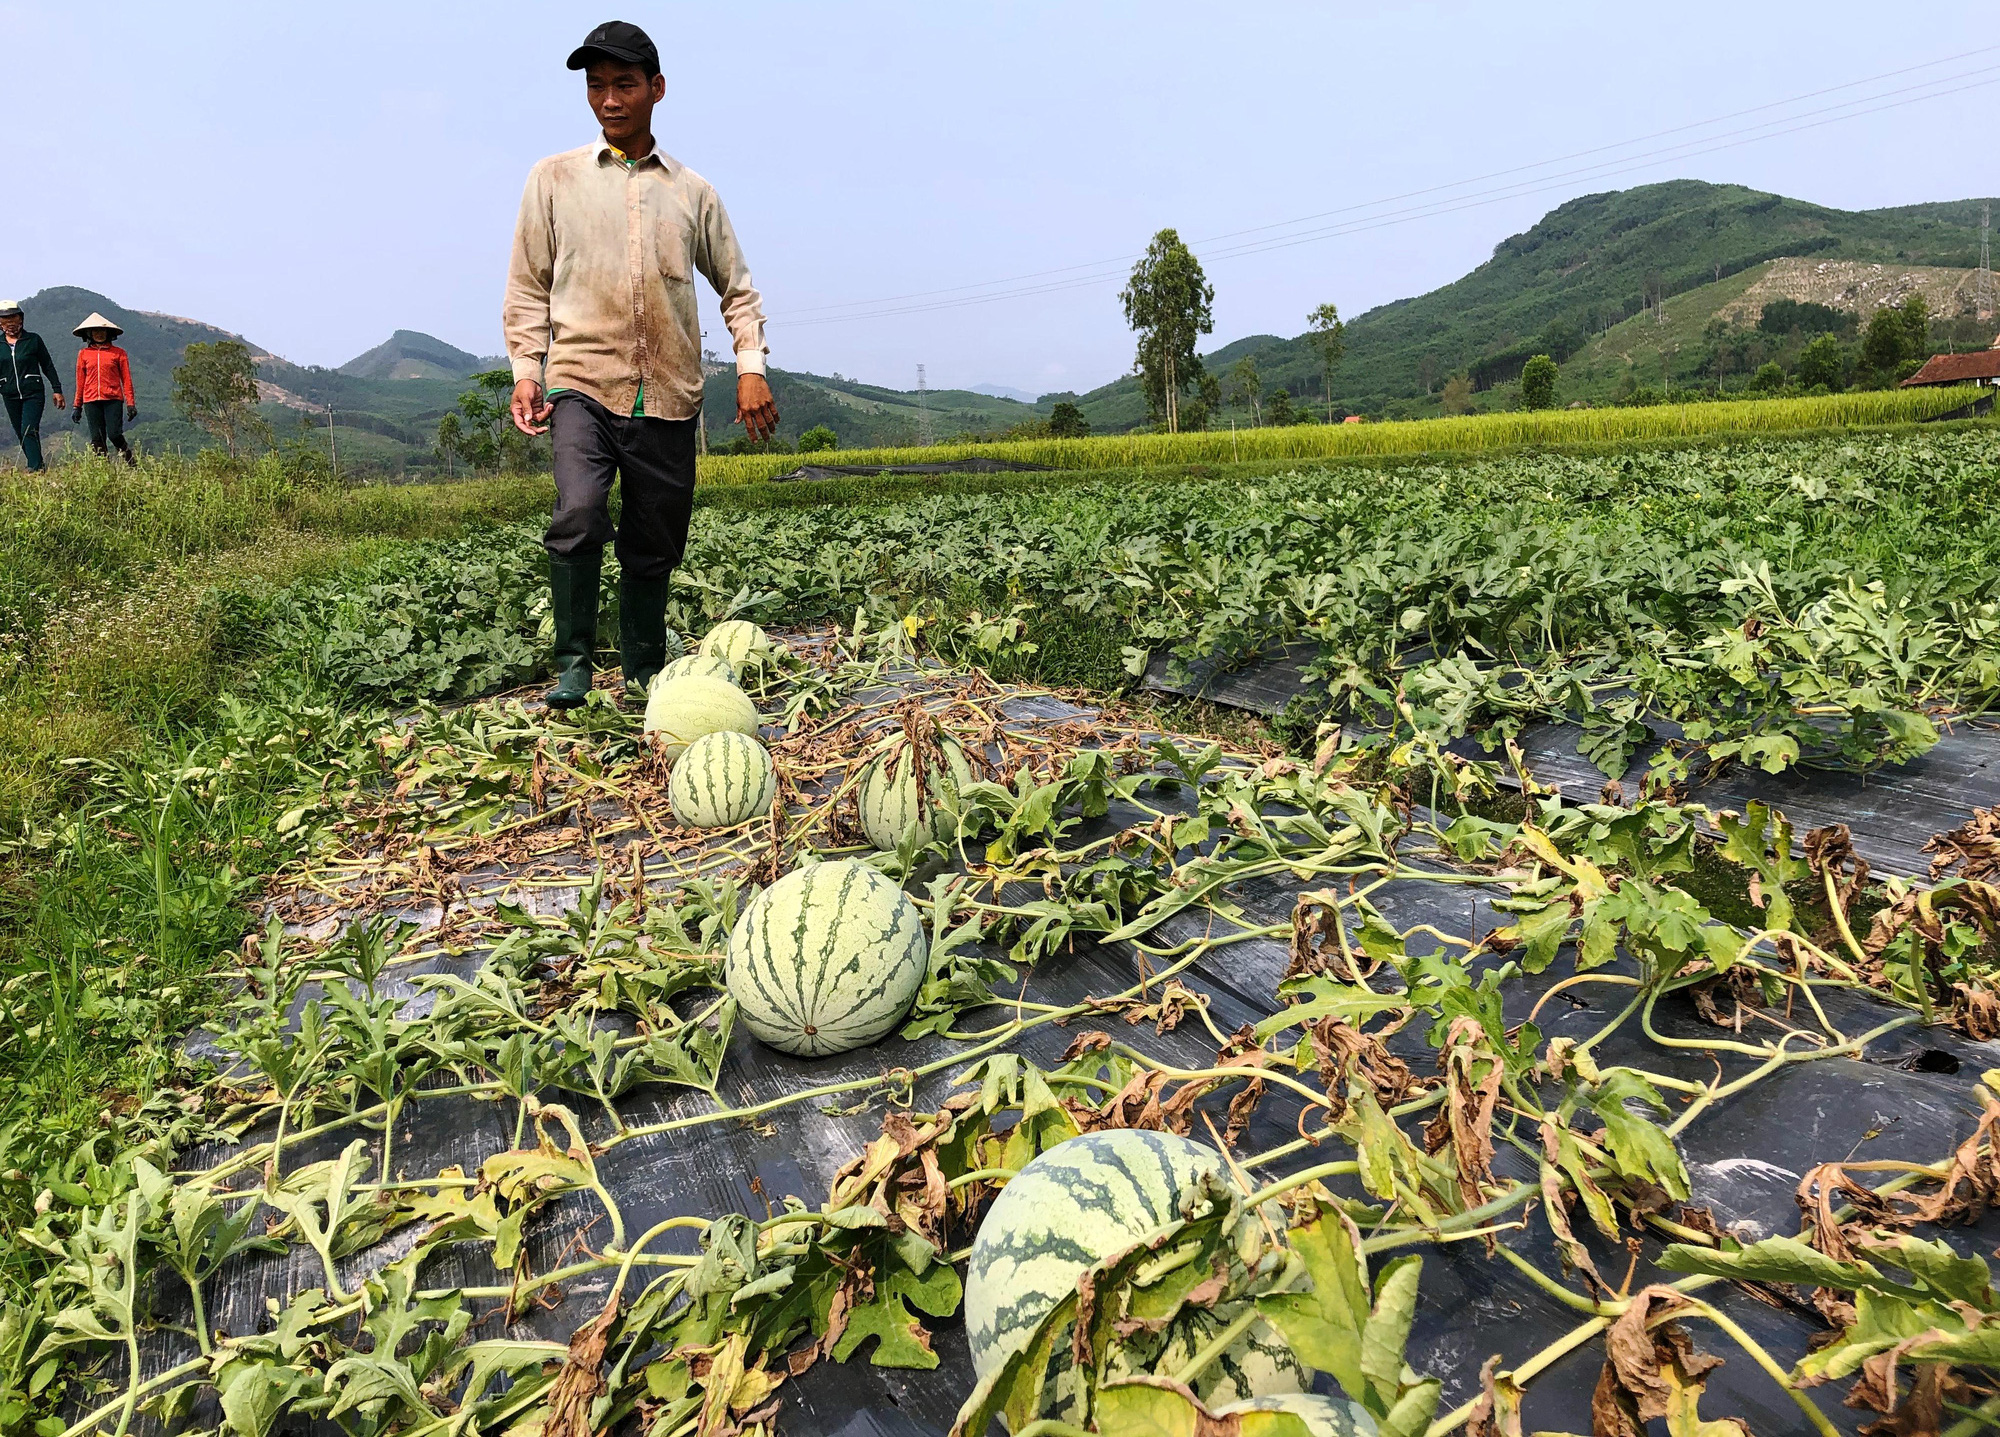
[[1980, 367]]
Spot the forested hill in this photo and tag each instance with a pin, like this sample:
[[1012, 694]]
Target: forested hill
[[1586, 265]]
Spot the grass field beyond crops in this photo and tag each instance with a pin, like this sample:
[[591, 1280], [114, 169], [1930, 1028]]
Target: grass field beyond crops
[[1416, 436]]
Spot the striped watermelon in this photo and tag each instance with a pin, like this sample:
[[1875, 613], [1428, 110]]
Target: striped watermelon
[[1067, 1211], [682, 710], [888, 792], [707, 666], [746, 646], [826, 959], [1258, 1364], [723, 779], [1322, 1416]]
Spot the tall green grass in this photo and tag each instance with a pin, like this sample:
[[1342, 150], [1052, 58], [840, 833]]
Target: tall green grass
[[1417, 436]]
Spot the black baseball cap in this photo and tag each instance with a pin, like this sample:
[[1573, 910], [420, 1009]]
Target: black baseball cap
[[617, 40]]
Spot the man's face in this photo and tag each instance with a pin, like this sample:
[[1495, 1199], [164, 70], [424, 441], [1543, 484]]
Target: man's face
[[622, 96], [10, 325]]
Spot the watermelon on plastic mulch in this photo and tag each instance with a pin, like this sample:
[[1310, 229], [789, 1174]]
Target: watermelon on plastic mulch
[[722, 780], [741, 642], [681, 710], [1068, 1210], [826, 959], [891, 797]]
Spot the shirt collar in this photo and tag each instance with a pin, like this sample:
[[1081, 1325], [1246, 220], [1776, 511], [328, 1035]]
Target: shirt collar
[[610, 153]]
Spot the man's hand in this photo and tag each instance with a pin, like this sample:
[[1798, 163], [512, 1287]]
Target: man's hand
[[76, 414], [59, 399], [531, 411], [756, 410], [131, 412]]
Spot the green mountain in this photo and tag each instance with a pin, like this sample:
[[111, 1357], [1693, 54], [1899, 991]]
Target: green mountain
[[407, 354], [381, 423], [1588, 266], [866, 415]]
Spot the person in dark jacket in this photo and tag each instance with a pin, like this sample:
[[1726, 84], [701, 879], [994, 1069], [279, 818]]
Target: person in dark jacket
[[22, 390], [104, 386]]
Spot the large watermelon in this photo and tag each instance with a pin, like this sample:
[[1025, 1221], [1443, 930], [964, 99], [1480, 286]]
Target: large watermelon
[[682, 710], [826, 959], [1258, 1364], [708, 666], [888, 794], [741, 642], [1065, 1212], [722, 780]]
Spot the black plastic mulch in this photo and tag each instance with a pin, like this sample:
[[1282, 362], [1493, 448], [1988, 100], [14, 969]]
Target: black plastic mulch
[[1745, 1160], [1893, 812]]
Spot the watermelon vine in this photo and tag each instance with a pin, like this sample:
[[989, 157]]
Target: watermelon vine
[[439, 944]]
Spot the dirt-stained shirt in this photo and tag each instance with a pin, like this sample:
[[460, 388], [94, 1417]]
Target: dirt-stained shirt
[[600, 291]]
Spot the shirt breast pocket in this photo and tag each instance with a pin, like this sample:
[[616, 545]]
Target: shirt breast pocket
[[671, 248]]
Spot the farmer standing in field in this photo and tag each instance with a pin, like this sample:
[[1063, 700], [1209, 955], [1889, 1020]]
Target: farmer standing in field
[[104, 386], [21, 389], [601, 327]]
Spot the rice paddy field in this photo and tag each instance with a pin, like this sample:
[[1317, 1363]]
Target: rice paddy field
[[1471, 432], [373, 1059]]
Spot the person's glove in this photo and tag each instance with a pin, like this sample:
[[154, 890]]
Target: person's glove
[[131, 412], [76, 415]]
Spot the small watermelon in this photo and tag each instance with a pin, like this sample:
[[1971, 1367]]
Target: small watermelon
[[888, 792], [724, 778], [682, 710], [1065, 1212], [746, 646], [1322, 1416], [706, 666], [826, 959]]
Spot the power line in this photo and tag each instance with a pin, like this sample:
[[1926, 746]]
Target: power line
[[1100, 272], [1474, 201], [1434, 189]]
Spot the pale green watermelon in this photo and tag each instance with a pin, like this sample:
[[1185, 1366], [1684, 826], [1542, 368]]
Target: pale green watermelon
[[1322, 1416], [723, 779], [826, 959], [682, 710], [707, 666], [888, 793], [747, 647], [1067, 1211]]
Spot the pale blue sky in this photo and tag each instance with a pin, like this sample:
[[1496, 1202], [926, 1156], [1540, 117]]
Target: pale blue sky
[[316, 176]]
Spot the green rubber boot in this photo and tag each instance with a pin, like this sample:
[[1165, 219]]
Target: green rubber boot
[[573, 597], [642, 632]]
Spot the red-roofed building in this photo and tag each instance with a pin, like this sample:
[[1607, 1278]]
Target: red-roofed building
[[1980, 367]]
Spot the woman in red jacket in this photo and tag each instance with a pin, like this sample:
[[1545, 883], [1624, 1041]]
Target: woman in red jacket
[[104, 386]]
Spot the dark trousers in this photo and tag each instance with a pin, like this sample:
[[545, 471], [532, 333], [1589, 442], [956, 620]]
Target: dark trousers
[[105, 419], [653, 459], [25, 414]]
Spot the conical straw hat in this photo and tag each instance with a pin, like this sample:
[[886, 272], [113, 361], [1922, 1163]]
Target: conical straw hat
[[97, 321]]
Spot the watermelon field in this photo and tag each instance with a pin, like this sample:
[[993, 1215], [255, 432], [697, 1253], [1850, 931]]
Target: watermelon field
[[906, 1022]]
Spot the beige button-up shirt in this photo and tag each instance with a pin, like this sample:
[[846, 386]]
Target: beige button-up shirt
[[600, 295]]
